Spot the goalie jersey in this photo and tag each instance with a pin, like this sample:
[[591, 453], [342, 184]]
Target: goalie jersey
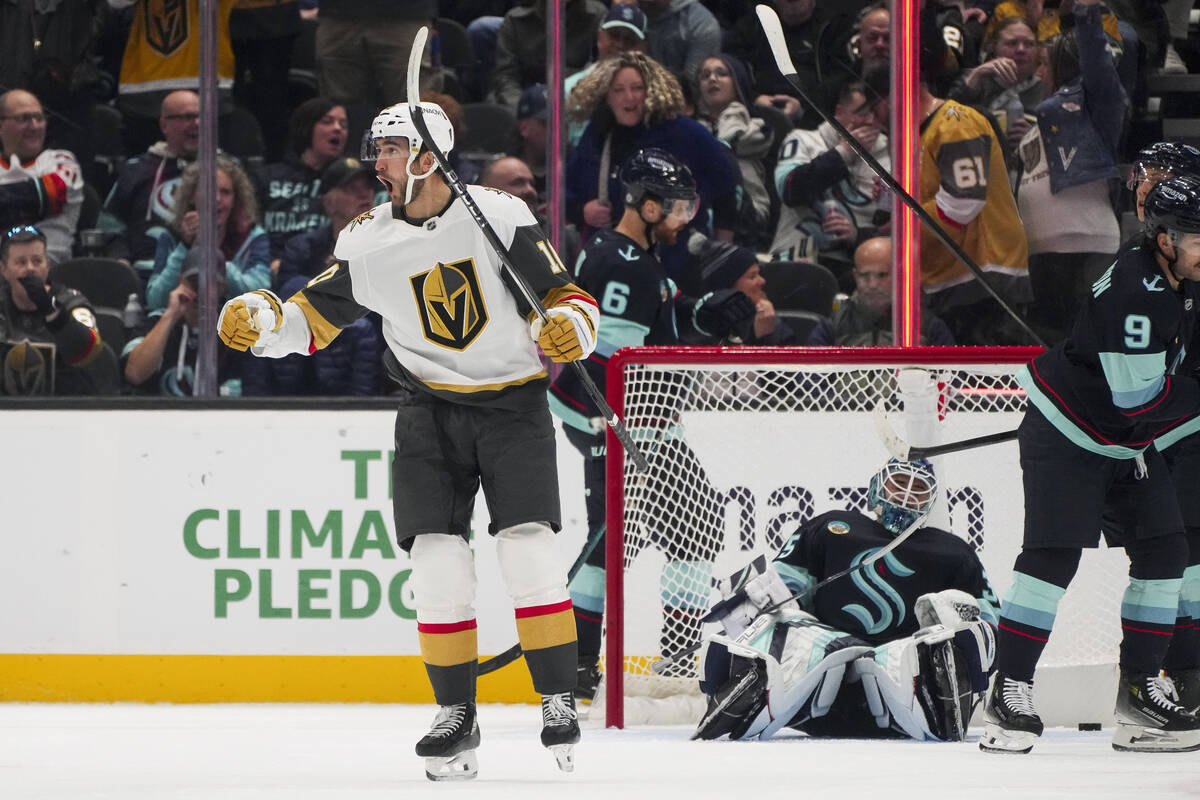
[[454, 322], [876, 604]]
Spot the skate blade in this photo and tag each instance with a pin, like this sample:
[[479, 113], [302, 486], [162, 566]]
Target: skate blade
[[1130, 738], [997, 740], [459, 767], [564, 754]]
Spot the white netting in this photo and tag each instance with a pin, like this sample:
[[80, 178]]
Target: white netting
[[741, 453]]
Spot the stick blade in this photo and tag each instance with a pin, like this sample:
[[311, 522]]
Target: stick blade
[[414, 65], [892, 442], [774, 33]]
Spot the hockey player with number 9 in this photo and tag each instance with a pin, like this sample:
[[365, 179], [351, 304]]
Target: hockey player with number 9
[[461, 338], [1097, 402], [899, 646]]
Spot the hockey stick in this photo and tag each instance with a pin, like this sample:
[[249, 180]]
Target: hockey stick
[[460, 191], [513, 653], [660, 666], [904, 451], [774, 33]]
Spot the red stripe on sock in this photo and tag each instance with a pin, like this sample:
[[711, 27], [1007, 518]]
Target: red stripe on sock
[[539, 611], [588, 617], [1004, 627], [446, 627], [1143, 630]]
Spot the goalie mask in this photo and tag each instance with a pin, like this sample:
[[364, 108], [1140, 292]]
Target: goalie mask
[[394, 123], [902, 493]]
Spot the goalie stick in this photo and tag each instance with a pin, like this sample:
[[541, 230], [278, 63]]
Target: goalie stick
[[460, 191], [774, 33], [661, 666], [904, 451]]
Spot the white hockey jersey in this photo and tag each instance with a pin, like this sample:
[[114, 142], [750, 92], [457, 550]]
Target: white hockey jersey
[[449, 315], [59, 211]]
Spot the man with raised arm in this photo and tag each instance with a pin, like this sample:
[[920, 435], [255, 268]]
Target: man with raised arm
[[462, 339]]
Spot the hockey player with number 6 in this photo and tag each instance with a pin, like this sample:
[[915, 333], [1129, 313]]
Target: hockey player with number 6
[[461, 337], [640, 306], [1097, 402], [839, 637]]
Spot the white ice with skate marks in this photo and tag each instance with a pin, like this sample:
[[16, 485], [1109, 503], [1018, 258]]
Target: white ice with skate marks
[[299, 752]]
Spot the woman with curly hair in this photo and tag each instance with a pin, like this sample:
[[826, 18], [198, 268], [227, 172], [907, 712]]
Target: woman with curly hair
[[242, 241], [631, 102]]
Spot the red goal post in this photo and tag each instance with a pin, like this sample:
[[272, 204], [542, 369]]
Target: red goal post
[[744, 442]]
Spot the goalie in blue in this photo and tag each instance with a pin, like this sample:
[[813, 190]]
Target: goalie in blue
[[899, 648]]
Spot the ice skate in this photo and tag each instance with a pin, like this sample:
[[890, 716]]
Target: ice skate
[[588, 674], [449, 747], [1011, 725], [560, 728], [1187, 688], [1149, 719]]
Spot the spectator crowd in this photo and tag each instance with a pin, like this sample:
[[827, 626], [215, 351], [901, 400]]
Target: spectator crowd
[[1029, 124]]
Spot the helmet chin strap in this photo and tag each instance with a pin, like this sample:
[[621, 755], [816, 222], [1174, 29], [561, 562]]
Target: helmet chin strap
[[649, 225], [413, 177]]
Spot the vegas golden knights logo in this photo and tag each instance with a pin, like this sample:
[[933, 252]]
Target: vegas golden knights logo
[[166, 24], [450, 303]]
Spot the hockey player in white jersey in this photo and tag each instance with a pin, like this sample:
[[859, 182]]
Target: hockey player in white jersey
[[901, 647], [463, 340]]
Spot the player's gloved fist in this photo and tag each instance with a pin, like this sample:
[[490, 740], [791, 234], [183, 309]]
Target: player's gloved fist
[[568, 334], [247, 316], [723, 312], [35, 290]]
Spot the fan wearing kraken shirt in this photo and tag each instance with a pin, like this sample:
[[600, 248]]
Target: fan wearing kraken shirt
[[461, 335]]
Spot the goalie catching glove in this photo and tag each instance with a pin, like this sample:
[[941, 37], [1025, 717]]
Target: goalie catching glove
[[248, 315], [568, 333]]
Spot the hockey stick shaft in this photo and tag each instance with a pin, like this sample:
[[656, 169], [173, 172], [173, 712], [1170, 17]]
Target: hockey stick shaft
[[904, 451], [460, 191], [513, 653], [774, 33], [964, 444], [661, 666]]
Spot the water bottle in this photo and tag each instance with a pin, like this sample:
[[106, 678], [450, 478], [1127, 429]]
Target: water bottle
[[134, 313]]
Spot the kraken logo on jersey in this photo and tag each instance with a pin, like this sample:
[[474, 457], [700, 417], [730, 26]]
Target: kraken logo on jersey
[[451, 305], [166, 24], [887, 601]]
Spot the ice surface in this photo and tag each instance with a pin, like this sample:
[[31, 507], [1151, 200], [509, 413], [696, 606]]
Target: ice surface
[[128, 752]]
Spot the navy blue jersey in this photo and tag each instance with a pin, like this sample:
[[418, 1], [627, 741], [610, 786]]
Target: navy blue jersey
[[1115, 383], [876, 603], [639, 305]]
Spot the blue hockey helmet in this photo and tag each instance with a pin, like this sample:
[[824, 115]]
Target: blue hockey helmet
[[902, 493], [1163, 160], [1173, 206]]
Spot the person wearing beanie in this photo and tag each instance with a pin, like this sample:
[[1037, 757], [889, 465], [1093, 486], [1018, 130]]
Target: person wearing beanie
[[724, 108], [722, 265]]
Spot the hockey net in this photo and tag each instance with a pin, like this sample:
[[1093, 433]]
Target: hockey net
[[744, 443]]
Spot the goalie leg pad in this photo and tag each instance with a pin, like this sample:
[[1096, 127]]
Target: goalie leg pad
[[925, 686], [805, 662]]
